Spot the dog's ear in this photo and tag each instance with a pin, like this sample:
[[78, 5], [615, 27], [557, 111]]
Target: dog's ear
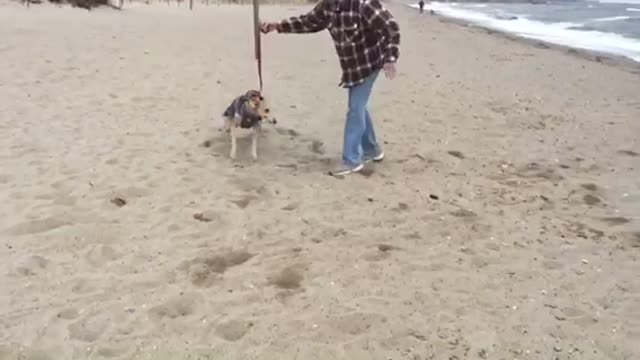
[[254, 94]]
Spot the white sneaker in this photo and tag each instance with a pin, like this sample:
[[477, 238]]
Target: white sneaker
[[344, 171], [376, 158]]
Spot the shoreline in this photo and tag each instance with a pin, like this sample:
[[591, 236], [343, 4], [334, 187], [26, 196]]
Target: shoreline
[[585, 54]]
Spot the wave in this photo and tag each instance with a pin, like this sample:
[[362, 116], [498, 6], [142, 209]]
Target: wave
[[613, 18], [635, 2], [562, 33], [633, 9]]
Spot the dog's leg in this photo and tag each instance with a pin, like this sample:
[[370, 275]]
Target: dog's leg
[[234, 145], [227, 124], [254, 145]]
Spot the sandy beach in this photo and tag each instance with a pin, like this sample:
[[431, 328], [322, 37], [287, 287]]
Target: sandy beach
[[504, 222]]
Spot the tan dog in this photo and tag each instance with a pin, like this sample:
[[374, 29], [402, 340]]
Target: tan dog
[[244, 117]]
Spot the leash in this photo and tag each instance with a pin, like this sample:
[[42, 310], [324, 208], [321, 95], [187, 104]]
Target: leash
[[256, 40]]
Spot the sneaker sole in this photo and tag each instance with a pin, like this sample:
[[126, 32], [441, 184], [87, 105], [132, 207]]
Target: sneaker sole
[[375, 160], [347, 172]]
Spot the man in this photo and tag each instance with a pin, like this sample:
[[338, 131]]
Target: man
[[367, 40], [421, 4]]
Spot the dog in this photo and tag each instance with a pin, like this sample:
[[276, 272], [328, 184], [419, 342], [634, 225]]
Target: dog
[[244, 118]]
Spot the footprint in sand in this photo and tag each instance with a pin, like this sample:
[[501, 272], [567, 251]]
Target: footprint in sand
[[83, 286], [381, 252], [356, 323], [36, 226], [206, 270], [68, 314], [287, 132], [289, 278], [5, 178], [401, 207], [615, 220], [64, 200], [463, 213], [243, 201], [128, 193], [249, 185], [632, 239], [32, 266], [317, 147], [99, 255], [113, 350], [205, 216], [480, 262], [25, 354], [590, 187], [629, 153], [578, 316], [88, 329], [528, 174], [177, 307], [202, 275], [552, 265], [591, 199], [590, 193], [291, 206], [386, 248], [456, 154], [536, 171], [233, 330], [583, 231]]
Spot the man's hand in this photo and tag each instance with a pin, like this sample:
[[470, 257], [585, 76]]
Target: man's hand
[[389, 70], [267, 27]]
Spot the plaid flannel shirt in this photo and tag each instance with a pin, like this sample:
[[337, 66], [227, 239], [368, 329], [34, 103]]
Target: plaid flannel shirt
[[365, 34]]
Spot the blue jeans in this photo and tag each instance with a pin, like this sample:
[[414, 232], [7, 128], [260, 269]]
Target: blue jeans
[[359, 137]]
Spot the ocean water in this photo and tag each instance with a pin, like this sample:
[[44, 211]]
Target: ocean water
[[608, 26]]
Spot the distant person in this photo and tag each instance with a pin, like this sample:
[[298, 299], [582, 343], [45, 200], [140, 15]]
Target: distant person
[[367, 39], [421, 4]]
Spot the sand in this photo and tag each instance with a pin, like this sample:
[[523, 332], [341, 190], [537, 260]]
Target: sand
[[503, 223]]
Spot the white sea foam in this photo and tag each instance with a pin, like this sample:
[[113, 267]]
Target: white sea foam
[[564, 33], [612, 18], [636, 2], [633, 9]]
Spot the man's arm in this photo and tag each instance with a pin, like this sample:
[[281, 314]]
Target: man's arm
[[381, 20], [313, 21]]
